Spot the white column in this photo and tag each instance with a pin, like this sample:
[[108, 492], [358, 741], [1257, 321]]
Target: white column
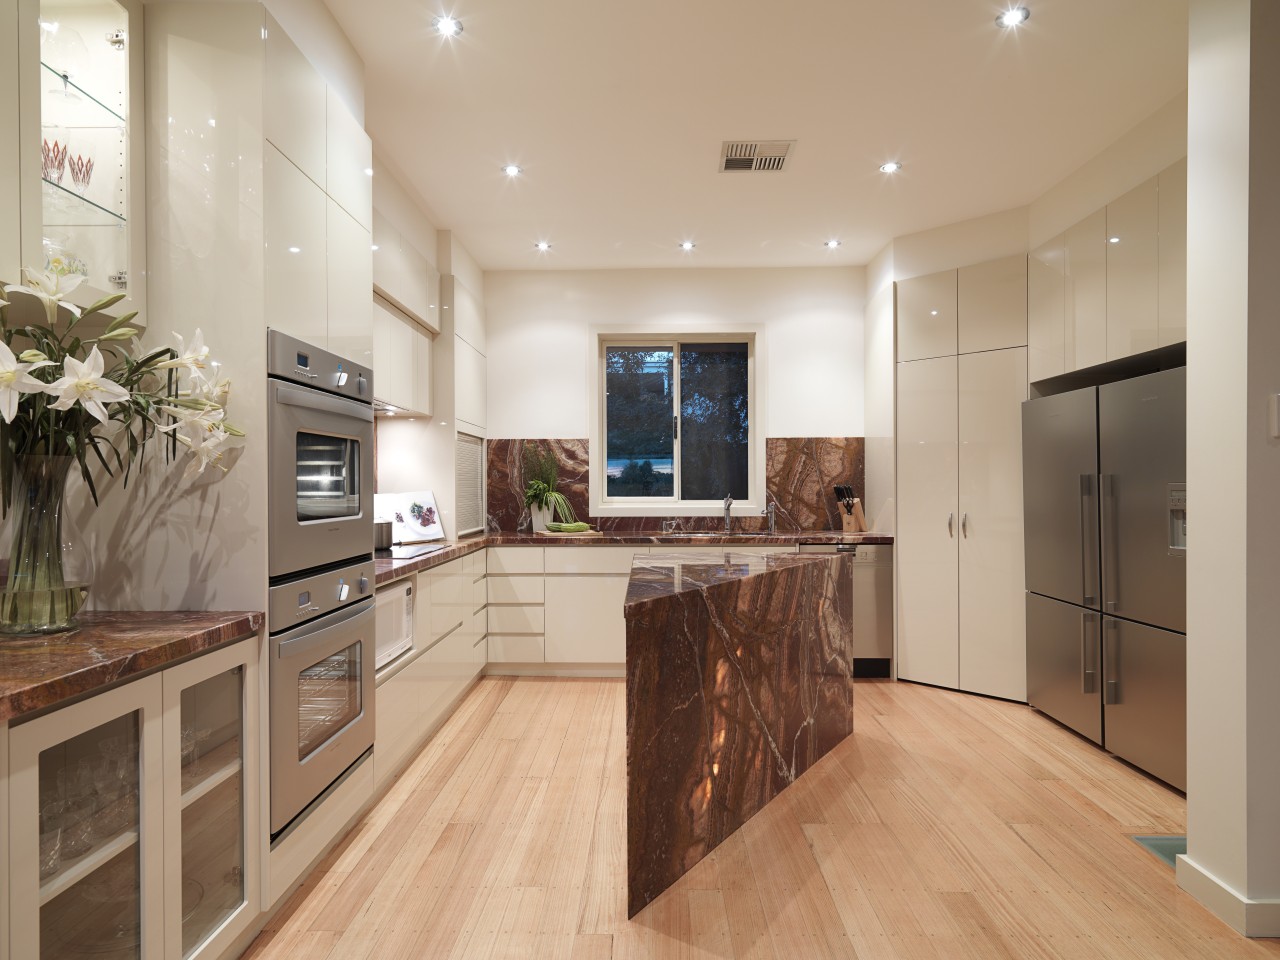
[[1233, 464]]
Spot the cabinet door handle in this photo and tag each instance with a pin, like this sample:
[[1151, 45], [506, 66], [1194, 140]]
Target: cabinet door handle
[[964, 525], [951, 525]]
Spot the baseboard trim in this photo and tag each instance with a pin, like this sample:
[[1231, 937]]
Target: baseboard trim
[[1253, 918]]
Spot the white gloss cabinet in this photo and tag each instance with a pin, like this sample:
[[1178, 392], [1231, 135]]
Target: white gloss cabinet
[[925, 543], [295, 221], [403, 275], [294, 104], [991, 310], [1086, 291], [348, 162], [584, 622], [993, 647], [349, 276], [401, 359], [1133, 282], [1173, 253], [926, 316], [1047, 309], [471, 378]]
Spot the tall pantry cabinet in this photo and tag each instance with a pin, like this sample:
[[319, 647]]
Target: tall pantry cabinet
[[962, 377]]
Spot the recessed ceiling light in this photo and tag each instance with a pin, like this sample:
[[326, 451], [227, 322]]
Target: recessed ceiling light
[[933, 313], [1113, 239], [447, 26], [1013, 17], [893, 166], [511, 170], [543, 246], [832, 244], [687, 246]]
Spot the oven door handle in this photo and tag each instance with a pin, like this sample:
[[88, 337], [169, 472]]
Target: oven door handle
[[308, 641], [314, 400]]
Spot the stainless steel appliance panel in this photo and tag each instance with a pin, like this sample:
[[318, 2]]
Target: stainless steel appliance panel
[[1142, 453], [1145, 697], [872, 596], [304, 598], [1064, 661], [289, 358], [1060, 496], [320, 479], [321, 705]]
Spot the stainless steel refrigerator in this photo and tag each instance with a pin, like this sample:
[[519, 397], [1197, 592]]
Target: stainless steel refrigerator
[[1104, 476]]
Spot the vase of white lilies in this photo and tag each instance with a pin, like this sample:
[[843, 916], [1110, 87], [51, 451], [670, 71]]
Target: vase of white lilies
[[92, 403]]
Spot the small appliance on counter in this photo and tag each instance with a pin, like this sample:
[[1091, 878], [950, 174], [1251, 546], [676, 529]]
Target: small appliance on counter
[[411, 523]]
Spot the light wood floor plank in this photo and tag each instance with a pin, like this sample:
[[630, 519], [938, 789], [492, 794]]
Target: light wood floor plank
[[948, 826]]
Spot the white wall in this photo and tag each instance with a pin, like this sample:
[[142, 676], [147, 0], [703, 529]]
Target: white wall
[[542, 357]]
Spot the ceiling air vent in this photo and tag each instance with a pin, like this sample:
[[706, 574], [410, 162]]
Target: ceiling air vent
[[755, 154]]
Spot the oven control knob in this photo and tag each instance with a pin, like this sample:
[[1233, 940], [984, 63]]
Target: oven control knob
[[363, 585], [344, 588], [361, 384]]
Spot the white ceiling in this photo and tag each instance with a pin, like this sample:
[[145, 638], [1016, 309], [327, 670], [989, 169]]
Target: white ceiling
[[617, 112]]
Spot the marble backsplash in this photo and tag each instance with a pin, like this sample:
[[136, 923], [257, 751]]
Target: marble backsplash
[[800, 474]]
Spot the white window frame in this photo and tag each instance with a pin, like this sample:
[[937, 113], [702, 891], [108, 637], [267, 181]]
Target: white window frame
[[604, 506]]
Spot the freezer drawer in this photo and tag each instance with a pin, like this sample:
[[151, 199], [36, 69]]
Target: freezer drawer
[[1060, 496], [1145, 698], [1063, 664], [1142, 454]]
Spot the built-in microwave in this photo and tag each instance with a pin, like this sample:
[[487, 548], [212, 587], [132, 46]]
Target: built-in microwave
[[320, 466], [395, 621]]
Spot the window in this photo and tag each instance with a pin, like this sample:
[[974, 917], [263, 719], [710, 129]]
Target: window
[[676, 420]]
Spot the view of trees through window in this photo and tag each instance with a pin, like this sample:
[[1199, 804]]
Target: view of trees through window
[[641, 445]]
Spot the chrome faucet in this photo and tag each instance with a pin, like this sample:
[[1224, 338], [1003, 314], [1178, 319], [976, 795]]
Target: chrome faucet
[[771, 511], [728, 503]]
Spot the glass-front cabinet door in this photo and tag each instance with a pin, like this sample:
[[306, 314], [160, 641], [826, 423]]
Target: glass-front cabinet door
[[81, 120], [85, 829], [209, 820]]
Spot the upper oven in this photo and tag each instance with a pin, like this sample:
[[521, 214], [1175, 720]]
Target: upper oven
[[320, 468]]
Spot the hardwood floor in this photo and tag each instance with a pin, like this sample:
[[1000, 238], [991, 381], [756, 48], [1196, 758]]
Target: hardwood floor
[[948, 826]]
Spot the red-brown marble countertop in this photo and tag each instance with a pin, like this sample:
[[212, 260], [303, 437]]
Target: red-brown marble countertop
[[389, 570], [40, 672]]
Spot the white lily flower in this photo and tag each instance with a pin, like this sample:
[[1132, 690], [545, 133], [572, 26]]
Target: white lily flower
[[83, 383], [49, 289], [206, 417], [205, 446], [190, 358], [15, 380]]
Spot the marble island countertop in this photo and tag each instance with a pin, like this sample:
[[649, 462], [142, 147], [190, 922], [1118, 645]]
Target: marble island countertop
[[389, 570], [668, 574], [44, 671]]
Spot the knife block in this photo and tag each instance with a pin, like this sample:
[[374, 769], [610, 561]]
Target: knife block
[[855, 522]]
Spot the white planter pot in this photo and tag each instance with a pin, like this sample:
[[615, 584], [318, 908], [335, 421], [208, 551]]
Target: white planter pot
[[539, 517]]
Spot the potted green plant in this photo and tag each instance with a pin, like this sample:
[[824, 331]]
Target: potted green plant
[[541, 476]]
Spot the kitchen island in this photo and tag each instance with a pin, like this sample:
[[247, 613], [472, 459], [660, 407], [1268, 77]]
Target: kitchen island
[[739, 679]]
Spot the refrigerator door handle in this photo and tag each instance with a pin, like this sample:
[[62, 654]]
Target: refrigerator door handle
[[1088, 657], [1088, 536], [1111, 685], [1110, 544]]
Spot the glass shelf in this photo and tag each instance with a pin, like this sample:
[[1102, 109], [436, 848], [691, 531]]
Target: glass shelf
[[83, 109], [66, 208], [73, 871]]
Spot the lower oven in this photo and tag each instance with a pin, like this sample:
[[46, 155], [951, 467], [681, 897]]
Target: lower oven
[[321, 684]]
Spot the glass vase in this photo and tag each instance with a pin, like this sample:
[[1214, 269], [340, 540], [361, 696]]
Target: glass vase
[[45, 578]]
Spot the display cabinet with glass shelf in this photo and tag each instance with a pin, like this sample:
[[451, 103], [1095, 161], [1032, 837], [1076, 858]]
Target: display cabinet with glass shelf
[[80, 65]]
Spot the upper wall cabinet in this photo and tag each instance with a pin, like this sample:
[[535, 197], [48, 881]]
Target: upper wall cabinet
[[403, 276], [1046, 309], [1133, 281], [349, 163], [927, 316], [80, 75], [349, 277], [295, 215], [992, 305], [1086, 292], [1173, 253], [401, 360], [295, 104]]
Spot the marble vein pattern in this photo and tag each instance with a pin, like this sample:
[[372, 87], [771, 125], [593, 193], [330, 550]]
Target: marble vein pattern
[[800, 471], [43, 671], [739, 679]]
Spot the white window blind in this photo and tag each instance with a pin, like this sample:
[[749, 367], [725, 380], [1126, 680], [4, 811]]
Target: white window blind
[[469, 479]]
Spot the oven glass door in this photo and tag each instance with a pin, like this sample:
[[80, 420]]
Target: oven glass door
[[329, 698], [328, 476]]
